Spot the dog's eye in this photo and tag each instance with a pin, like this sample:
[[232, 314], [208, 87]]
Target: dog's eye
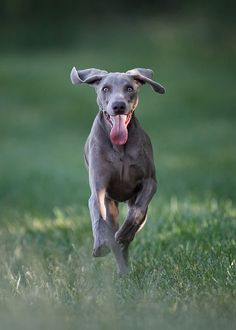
[[130, 89], [105, 89]]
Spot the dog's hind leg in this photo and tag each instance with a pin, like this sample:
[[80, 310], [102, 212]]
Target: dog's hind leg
[[112, 213]]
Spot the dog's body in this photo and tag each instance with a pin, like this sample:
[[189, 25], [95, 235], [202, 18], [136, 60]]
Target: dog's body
[[119, 158]]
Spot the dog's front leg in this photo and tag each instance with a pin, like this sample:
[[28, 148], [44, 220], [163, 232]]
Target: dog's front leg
[[101, 232], [103, 229], [137, 212]]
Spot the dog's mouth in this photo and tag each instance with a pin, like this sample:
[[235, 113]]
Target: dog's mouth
[[118, 123]]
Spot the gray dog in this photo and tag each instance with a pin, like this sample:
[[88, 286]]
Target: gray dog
[[119, 158]]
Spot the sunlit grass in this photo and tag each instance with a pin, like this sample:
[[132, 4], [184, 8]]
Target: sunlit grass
[[182, 262]]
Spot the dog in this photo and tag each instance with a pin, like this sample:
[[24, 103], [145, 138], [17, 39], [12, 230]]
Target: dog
[[119, 158]]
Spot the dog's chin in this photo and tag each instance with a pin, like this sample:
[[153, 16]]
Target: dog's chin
[[118, 125]]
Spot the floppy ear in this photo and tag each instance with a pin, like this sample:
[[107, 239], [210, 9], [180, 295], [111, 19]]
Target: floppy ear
[[145, 76], [88, 76]]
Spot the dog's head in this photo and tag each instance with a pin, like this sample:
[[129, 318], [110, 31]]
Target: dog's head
[[117, 95]]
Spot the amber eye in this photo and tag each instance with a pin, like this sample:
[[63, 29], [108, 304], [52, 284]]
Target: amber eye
[[130, 89], [105, 89]]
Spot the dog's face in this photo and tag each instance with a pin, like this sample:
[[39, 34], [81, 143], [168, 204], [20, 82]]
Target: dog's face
[[116, 96]]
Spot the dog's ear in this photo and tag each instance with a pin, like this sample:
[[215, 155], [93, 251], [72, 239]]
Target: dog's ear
[[145, 76], [88, 76]]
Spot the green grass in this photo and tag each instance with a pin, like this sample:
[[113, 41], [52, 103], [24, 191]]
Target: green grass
[[183, 263]]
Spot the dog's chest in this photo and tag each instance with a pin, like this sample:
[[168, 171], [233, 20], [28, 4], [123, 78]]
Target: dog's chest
[[126, 171], [126, 177], [126, 168]]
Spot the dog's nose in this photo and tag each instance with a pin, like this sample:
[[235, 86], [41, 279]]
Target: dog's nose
[[119, 107]]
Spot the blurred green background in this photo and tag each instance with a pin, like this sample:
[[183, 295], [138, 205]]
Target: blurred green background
[[183, 268]]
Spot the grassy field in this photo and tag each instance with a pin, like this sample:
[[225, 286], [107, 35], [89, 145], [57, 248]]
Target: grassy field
[[183, 263]]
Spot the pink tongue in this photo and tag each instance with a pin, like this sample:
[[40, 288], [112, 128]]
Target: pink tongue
[[119, 132]]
